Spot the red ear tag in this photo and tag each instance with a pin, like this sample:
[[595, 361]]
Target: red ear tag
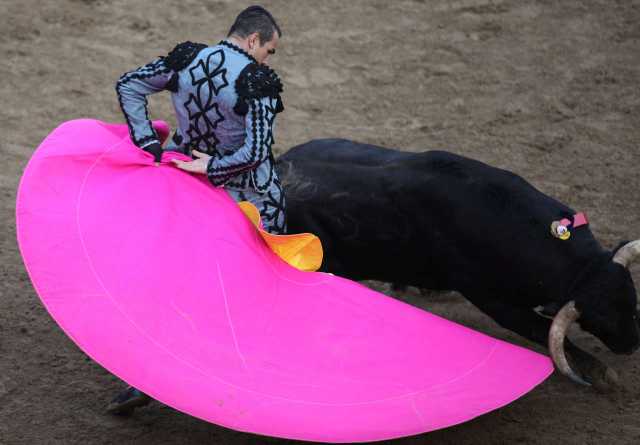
[[580, 219]]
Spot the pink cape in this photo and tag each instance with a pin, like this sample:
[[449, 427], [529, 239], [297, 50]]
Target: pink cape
[[160, 278]]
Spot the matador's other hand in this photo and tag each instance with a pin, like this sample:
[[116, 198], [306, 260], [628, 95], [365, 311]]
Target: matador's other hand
[[198, 165]]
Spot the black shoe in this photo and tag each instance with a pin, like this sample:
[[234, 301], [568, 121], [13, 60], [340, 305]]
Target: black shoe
[[127, 401]]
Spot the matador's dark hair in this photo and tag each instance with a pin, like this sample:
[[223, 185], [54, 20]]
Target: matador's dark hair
[[255, 19]]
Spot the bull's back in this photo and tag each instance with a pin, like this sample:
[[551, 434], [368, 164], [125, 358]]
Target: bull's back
[[344, 151], [438, 177], [440, 216]]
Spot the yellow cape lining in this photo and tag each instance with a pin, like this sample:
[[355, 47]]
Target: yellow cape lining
[[301, 250]]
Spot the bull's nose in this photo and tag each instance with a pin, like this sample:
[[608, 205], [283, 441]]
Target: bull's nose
[[634, 347]]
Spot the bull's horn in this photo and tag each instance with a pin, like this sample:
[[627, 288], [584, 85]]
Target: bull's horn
[[561, 323], [627, 253]]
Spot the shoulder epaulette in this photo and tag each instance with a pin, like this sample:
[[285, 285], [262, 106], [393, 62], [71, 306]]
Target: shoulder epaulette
[[255, 82], [179, 58], [182, 55]]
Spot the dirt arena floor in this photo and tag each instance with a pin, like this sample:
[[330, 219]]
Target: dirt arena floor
[[548, 89]]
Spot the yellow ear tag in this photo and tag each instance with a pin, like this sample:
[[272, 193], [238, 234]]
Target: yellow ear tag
[[560, 231]]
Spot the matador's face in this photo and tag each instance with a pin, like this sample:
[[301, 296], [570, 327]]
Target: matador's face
[[262, 52]]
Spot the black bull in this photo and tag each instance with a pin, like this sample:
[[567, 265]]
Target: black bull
[[437, 220]]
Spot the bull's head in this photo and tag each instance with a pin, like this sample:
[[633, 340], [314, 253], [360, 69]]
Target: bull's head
[[605, 306]]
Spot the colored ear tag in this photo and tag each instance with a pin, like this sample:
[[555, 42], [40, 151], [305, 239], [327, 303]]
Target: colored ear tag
[[560, 231]]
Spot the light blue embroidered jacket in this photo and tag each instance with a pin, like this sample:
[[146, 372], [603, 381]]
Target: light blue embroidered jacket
[[225, 104]]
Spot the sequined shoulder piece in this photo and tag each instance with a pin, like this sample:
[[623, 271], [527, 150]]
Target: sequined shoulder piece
[[255, 82]]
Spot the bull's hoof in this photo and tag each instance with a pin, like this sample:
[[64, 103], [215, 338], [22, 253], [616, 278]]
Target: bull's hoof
[[396, 287], [606, 380]]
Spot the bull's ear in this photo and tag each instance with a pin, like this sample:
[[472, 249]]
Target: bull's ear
[[620, 245]]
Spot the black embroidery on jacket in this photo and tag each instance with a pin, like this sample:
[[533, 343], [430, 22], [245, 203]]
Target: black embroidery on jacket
[[220, 175], [273, 212], [255, 82], [173, 84], [182, 55], [177, 139], [268, 140], [178, 59], [208, 77], [215, 79], [155, 68], [238, 49]]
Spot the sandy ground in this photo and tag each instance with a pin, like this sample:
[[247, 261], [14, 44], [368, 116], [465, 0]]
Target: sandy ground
[[548, 89]]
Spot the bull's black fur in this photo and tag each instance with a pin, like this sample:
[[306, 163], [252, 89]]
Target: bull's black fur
[[441, 221]]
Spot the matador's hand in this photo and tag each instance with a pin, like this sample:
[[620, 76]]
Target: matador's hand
[[198, 165]]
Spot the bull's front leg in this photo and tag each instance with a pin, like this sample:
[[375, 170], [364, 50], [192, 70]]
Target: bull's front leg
[[532, 326]]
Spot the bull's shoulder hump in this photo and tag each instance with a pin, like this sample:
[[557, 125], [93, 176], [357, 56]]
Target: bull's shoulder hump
[[345, 151], [315, 144], [448, 160]]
